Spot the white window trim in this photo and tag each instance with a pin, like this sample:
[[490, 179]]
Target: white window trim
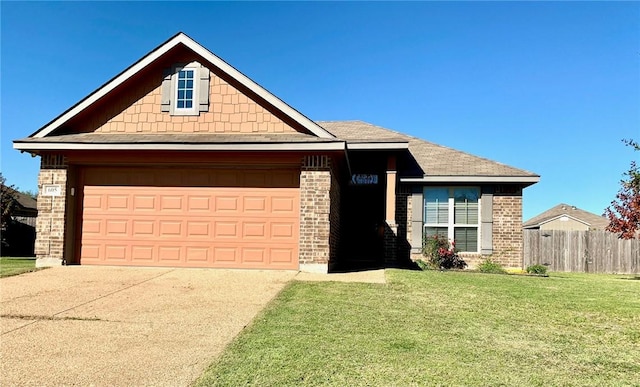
[[195, 108], [451, 225]]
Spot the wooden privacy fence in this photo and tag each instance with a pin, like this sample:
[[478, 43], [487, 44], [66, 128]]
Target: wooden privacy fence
[[582, 251]]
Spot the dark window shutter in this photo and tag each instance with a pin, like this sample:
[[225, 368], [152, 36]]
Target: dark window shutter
[[486, 224], [166, 91], [203, 89]]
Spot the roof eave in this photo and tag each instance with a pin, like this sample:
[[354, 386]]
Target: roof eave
[[182, 38], [528, 180], [277, 146], [399, 145]]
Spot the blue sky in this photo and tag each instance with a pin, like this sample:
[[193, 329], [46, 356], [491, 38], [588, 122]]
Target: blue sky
[[547, 87]]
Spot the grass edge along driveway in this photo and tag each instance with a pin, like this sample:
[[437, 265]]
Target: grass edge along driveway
[[434, 328], [10, 266]]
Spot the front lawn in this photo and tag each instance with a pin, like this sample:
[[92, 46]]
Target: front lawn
[[14, 266], [442, 328]]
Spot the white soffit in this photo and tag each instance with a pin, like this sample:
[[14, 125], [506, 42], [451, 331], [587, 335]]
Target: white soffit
[[182, 38]]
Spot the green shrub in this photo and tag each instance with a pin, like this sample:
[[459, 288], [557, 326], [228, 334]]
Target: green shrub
[[424, 265], [441, 254], [537, 269], [489, 266]]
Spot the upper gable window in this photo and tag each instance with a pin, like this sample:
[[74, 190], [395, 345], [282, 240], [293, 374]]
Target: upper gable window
[[185, 90]]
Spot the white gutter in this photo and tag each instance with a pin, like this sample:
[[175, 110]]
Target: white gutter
[[471, 179]]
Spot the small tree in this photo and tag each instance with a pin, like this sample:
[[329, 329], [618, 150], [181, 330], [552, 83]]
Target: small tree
[[624, 212], [8, 203]]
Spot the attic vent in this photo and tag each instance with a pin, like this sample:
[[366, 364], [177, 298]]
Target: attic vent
[[315, 162], [50, 161]]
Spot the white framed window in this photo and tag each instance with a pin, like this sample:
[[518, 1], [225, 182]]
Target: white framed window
[[184, 90], [453, 212]]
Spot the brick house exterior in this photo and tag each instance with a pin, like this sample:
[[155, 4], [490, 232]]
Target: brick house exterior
[[181, 160]]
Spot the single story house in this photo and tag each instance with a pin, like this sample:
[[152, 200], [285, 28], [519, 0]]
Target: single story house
[[183, 161], [568, 218]]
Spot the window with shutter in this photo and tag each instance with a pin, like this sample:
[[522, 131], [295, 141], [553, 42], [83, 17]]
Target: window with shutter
[[453, 213], [185, 90]]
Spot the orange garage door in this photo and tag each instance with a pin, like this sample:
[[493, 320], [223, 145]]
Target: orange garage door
[[190, 226]]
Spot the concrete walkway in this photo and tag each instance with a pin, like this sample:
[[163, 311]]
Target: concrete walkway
[[109, 326]]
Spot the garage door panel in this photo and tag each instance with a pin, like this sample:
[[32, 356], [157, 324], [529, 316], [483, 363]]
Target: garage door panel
[[254, 204], [114, 253], [226, 227], [143, 228], [143, 203], [199, 203], [254, 230], [283, 205], [282, 256], [142, 254], [116, 227]]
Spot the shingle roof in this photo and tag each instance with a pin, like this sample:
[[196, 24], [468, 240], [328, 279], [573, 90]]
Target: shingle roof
[[181, 138], [25, 201], [593, 220], [435, 160]]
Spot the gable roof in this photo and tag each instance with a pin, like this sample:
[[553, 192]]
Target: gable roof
[[25, 202], [590, 219], [158, 52], [437, 163]]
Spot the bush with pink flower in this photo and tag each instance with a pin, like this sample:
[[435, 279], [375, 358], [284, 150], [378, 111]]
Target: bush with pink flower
[[440, 254]]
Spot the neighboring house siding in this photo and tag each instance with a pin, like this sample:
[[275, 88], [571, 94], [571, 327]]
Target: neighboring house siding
[[139, 111], [507, 229], [567, 225], [50, 225]]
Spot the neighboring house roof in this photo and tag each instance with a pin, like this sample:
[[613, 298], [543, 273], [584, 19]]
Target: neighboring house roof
[[437, 163], [181, 39], [26, 205], [588, 218]]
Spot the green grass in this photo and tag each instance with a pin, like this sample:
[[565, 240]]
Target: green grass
[[435, 328], [14, 266]]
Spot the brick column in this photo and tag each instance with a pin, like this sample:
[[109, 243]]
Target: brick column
[[315, 209], [507, 228], [50, 224], [391, 226]]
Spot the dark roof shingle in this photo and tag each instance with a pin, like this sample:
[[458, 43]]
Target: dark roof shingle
[[435, 160]]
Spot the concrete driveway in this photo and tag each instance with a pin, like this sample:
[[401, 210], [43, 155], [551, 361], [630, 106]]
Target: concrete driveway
[[83, 325]]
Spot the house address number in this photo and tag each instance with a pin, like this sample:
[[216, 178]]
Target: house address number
[[51, 190], [364, 179]]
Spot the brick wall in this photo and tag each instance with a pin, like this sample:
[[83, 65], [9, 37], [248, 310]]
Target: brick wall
[[315, 210], [334, 213], [403, 218], [507, 229], [50, 224]]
